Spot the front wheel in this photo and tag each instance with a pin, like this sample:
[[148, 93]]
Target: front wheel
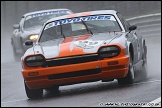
[[22, 48], [53, 89], [129, 79], [17, 56], [33, 93]]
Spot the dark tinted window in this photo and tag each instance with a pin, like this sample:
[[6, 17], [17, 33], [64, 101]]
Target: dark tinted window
[[124, 22]]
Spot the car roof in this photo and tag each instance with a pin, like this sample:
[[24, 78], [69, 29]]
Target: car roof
[[45, 11], [98, 12]]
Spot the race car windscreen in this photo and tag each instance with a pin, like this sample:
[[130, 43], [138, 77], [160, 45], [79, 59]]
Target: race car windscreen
[[79, 26], [40, 18]]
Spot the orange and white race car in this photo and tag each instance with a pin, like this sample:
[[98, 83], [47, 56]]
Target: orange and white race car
[[83, 47]]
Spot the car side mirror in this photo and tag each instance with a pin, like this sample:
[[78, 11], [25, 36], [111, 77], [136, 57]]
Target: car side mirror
[[133, 27], [28, 43], [16, 26]]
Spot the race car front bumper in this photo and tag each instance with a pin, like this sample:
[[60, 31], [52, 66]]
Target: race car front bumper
[[106, 69]]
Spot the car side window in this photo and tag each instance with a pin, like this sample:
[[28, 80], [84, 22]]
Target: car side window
[[127, 24], [124, 22]]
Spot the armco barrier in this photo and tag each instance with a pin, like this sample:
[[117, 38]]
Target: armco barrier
[[147, 24]]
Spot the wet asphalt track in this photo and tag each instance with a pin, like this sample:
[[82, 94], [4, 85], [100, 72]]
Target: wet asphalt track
[[85, 94]]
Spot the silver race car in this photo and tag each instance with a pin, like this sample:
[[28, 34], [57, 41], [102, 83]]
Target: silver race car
[[83, 47], [30, 26]]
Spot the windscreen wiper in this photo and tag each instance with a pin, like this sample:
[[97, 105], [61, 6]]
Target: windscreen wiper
[[86, 27], [61, 30]]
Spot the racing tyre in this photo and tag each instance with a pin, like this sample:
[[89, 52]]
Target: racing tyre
[[144, 66], [129, 79], [33, 93], [16, 55], [22, 49], [53, 89]]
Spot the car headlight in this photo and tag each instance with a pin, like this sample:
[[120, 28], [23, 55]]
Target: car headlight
[[35, 60], [33, 37], [108, 51]]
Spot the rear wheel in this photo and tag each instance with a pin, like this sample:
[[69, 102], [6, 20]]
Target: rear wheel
[[33, 93], [129, 79], [144, 66]]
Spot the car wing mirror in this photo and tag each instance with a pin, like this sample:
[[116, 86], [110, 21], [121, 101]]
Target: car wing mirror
[[133, 27], [16, 26]]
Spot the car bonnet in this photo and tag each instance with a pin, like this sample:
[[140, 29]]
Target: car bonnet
[[74, 45]]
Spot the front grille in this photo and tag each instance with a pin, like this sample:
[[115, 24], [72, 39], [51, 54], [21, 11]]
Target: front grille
[[75, 74], [72, 60]]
